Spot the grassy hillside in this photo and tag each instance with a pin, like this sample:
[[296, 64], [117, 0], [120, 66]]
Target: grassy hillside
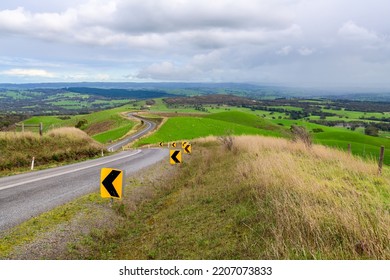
[[266, 198], [362, 145], [57, 145], [237, 123], [103, 126]]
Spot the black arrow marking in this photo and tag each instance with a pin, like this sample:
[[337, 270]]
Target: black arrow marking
[[186, 148], [174, 156], [174, 144], [107, 182], [161, 144]]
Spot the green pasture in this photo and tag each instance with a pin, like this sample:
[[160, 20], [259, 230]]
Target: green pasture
[[288, 108], [237, 123], [120, 125], [362, 145], [356, 114], [113, 134]]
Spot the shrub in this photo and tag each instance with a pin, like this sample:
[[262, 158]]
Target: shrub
[[301, 134], [227, 140], [371, 131], [317, 130]]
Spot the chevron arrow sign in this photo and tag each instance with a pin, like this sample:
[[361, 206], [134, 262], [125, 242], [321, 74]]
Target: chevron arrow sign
[[187, 149], [175, 156], [111, 182]]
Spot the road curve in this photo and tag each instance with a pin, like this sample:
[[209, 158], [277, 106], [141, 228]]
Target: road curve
[[26, 195], [149, 126]]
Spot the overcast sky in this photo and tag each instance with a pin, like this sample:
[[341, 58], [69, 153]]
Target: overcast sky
[[288, 42]]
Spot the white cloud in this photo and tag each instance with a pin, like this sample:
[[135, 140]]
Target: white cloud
[[150, 22], [351, 30], [286, 50], [102, 77], [29, 73], [304, 51]]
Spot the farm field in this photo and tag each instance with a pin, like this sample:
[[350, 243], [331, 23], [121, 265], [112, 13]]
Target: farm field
[[103, 126], [237, 123], [241, 120], [189, 121]]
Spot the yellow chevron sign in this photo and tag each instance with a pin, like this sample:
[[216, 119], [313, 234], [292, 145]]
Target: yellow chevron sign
[[111, 182], [187, 149], [175, 156]]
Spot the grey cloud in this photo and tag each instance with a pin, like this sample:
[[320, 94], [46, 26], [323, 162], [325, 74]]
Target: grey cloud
[[292, 41]]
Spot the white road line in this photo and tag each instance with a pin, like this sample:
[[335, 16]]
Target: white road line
[[132, 136], [66, 172]]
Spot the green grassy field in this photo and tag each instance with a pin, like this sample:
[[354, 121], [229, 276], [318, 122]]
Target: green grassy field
[[362, 145], [237, 123], [249, 122], [108, 126], [102, 126]]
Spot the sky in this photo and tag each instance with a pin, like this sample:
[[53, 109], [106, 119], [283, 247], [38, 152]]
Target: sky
[[322, 43]]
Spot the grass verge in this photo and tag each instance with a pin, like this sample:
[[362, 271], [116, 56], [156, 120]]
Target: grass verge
[[265, 198], [56, 146]]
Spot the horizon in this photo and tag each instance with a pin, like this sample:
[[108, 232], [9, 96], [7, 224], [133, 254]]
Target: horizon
[[316, 89]]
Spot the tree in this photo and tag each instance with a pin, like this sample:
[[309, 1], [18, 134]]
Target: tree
[[371, 130]]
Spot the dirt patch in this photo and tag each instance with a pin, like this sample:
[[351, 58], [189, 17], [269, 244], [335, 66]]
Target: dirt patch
[[100, 127]]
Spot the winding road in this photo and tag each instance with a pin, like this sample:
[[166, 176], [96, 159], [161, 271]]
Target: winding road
[[27, 195], [149, 126]]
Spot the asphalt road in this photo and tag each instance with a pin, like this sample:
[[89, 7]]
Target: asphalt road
[[26, 195], [149, 126]]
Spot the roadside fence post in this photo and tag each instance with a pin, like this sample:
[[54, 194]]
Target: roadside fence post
[[40, 129], [381, 157]]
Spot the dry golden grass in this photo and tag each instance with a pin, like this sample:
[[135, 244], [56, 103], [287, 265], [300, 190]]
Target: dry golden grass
[[265, 198], [57, 145], [318, 202], [69, 132]]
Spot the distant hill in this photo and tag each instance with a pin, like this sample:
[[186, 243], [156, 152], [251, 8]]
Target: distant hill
[[115, 92]]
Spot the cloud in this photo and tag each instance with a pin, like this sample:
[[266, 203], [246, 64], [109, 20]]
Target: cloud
[[150, 23], [203, 40], [304, 51], [286, 50], [29, 73], [352, 31]]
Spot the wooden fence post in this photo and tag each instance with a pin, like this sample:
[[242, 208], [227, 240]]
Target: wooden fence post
[[381, 157], [40, 129], [349, 148]]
